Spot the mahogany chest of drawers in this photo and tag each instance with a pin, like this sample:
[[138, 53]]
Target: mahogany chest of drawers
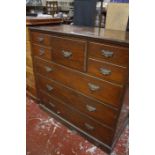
[[82, 79]]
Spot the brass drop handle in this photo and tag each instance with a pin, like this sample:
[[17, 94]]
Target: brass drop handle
[[107, 54], [93, 87], [90, 108], [89, 127], [53, 105], [41, 39], [48, 69], [49, 88], [41, 51], [105, 71], [66, 54], [58, 112]]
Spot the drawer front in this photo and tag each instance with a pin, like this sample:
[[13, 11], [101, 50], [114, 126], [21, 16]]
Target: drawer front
[[113, 54], [69, 52], [90, 107], [107, 71], [102, 133], [104, 91], [40, 38], [42, 52]]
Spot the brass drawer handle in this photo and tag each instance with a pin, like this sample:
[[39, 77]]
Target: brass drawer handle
[[48, 69], [41, 51], [66, 54], [107, 54], [105, 71], [53, 105], [58, 112], [89, 127], [40, 39], [49, 88], [93, 87], [90, 108]]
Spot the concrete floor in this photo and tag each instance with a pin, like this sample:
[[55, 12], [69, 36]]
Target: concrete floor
[[46, 136]]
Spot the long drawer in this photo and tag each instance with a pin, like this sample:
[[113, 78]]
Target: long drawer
[[110, 53], [107, 71], [92, 108], [69, 52], [86, 124], [102, 90]]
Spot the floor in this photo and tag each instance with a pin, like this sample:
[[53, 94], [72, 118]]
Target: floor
[[46, 136]]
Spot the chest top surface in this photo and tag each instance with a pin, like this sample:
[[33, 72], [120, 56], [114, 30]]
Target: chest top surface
[[86, 32]]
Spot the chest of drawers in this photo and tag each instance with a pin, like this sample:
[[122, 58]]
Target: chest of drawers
[[81, 77]]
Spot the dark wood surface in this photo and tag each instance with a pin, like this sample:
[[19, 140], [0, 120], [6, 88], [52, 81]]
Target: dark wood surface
[[119, 54], [79, 120], [74, 88], [42, 20], [102, 35], [107, 92], [93, 108], [107, 71], [42, 51], [74, 47]]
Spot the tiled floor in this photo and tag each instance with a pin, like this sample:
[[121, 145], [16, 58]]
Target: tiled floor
[[46, 136]]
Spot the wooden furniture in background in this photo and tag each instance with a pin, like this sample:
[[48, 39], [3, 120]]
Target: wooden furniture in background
[[51, 7], [31, 21], [82, 79]]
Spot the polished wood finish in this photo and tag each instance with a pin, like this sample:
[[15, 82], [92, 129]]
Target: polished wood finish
[[93, 108], [107, 71], [69, 52], [30, 81], [105, 91], [42, 51], [81, 121], [40, 38], [42, 20], [119, 54], [82, 79]]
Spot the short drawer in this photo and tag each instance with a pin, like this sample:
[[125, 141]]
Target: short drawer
[[40, 38], [42, 52], [92, 128], [69, 52], [107, 71], [99, 89], [92, 108], [114, 54]]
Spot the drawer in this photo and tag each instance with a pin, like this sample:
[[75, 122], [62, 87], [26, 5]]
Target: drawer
[[100, 132], [42, 52], [69, 52], [114, 54], [40, 38], [107, 71], [99, 89], [92, 108]]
